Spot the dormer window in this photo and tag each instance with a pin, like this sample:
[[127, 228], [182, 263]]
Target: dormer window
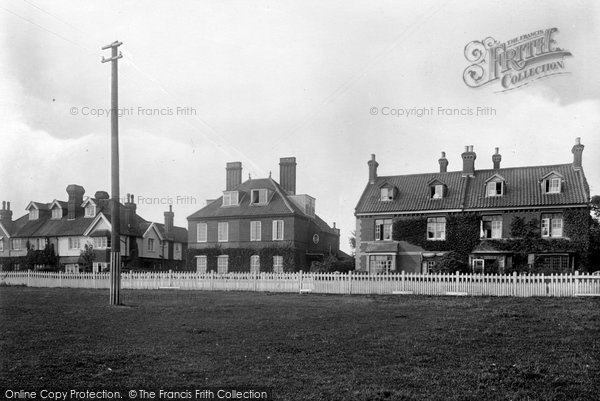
[[387, 193], [495, 188], [57, 213], [437, 191], [34, 214], [90, 211], [258, 197], [552, 185], [230, 198]]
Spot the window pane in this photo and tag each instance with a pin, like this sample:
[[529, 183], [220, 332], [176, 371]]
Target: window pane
[[223, 232], [254, 264], [201, 264], [557, 227], [278, 264], [222, 264], [277, 230], [201, 232]]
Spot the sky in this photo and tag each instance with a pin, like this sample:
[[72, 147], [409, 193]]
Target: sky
[[206, 83]]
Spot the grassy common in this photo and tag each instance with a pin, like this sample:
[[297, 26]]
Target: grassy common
[[303, 347]]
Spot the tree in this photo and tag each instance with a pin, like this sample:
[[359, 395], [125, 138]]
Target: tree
[[595, 206], [594, 249], [352, 242], [88, 256]]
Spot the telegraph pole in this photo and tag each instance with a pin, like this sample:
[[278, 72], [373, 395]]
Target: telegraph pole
[[115, 244]]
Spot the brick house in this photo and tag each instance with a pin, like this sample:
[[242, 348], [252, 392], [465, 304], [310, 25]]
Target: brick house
[[498, 219], [260, 225], [67, 227]]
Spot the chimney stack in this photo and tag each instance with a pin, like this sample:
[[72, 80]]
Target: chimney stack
[[577, 151], [496, 159], [75, 193], [287, 174], [102, 198], [130, 210], [169, 217], [5, 213], [233, 175], [443, 163], [468, 161], [372, 169]]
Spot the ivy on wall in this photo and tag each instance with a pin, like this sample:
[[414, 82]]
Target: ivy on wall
[[239, 258], [462, 236]]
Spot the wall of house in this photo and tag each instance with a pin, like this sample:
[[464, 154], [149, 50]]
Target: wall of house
[[365, 234], [158, 249], [365, 228], [239, 233], [178, 251], [63, 246]]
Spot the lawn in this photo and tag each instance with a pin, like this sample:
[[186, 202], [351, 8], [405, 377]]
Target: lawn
[[313, 347]]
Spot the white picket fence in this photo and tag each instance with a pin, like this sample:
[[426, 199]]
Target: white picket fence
[[555, 285]]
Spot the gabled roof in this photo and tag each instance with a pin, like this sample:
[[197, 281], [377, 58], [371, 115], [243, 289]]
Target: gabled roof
[[89, 200], [523, 190], [61, 204], [552, 173], [81, 225], [413, 193], [37, 205], [495, 176], [279, 205], [177, 234]]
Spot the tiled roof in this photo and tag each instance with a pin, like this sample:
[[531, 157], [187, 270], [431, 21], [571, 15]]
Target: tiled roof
[[276, 206], [279, 204], [522, 189], [40, 205], [177, 234], [45, 226]]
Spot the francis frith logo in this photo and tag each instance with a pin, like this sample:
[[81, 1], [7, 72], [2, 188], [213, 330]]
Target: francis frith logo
[[514, 63]]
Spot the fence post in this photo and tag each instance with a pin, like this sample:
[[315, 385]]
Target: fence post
[[170, 277], [514, 284], [576, 282], [60, 279], [456, 279], [403, 280], [28, 276], [350, 282]]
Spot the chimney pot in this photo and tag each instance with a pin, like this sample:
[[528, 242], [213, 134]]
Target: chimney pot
[[3, 205], [8, 205]]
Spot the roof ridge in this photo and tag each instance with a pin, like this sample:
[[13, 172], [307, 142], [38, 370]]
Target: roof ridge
[[283, 197], [476, 170]]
